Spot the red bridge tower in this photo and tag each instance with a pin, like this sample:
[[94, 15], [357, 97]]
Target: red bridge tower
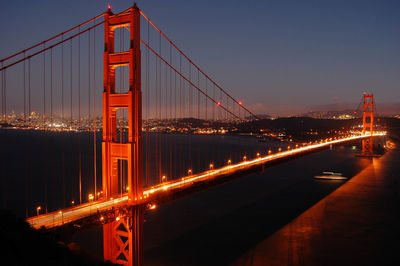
[[368, 124], [122, 237]]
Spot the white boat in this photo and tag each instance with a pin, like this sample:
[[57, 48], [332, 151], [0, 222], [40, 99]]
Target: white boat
[[330, 176]]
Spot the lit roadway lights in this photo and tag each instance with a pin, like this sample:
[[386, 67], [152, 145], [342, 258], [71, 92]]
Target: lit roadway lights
[[38, 210], [80, 211]]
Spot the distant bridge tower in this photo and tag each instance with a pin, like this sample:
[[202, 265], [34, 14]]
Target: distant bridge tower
[[368, 123], [122, 237]]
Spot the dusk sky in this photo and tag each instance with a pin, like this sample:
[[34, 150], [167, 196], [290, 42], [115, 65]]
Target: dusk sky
[[278, 57]]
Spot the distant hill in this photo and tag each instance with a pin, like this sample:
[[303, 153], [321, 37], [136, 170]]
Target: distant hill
[[260, 116]]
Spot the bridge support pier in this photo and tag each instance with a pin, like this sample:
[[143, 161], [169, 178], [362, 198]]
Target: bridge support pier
[[122, 238]]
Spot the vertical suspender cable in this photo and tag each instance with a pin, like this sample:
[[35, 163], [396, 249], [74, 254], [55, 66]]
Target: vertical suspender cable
[[147, 107], [44, 84], [213, 122], [51, 86], [166, 139], [227, 105], [29, 113], [175, 136], [62, 80], [159, 110], [180, 113], [190, 116], [170, 112], [62, 121], [206, 116], [198, 117], [213, 105], [79, 118], [198, 94], [71, 114], [89, 98], [180, 87], [5, 94], [29, 86], [4, 141], [170, 82], [25, 154], [190, 91], [24, 90], [156, 120], [51, 172], [2, 92], [94, 112], [44, 122], [89, 81]]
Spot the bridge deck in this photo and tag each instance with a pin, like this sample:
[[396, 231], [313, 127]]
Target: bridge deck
[[86, 210]]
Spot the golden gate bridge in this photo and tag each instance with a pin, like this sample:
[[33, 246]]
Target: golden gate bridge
[[59, 77]]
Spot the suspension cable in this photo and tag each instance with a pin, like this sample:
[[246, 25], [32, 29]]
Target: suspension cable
[[52, 38], [180, 51], [187, 80], [50, 47]]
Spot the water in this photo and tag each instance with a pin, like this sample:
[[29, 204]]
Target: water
[[43, 168], [212, 227]]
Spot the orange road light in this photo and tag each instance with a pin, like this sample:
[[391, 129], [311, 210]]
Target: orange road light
[[190, 172], [211, 166], [38, 210], [91, 197]]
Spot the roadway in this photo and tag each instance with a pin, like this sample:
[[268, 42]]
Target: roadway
[[78, 212]]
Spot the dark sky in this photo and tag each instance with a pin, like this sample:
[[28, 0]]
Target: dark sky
[[278, 57]]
